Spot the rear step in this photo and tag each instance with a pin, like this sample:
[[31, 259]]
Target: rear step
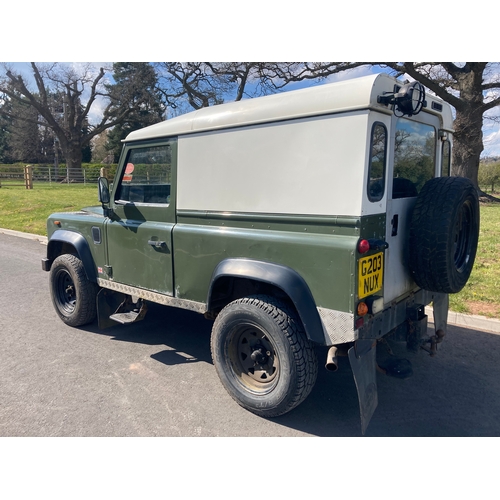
[[129, 311], [115, 307], [127, 317]]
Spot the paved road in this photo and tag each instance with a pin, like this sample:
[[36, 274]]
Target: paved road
[[156, 378]]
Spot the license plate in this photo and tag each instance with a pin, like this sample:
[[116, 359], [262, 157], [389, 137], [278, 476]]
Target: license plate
[[370, 273]]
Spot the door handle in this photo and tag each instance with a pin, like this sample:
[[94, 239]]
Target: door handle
[[157, 244], [395, 221]]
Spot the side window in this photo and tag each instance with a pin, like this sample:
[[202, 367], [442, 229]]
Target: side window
[[376, 168], [414, 157], [446, 159], [146, 177]]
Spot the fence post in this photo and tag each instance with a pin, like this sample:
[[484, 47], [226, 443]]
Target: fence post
[[104, 172], [28, 176]]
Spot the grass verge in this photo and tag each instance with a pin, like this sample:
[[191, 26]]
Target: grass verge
[[27, 210], [481, 294]]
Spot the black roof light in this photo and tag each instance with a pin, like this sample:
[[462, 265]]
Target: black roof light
[[408, 100]]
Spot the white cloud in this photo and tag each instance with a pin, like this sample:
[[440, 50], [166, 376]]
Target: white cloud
[[491, 142]]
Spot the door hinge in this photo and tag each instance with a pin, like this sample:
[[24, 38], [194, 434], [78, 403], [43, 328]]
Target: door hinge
[[109, 271]]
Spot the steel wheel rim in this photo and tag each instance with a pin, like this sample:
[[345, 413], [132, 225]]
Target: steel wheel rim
[[65, 291], [462, 244], [253, 358]]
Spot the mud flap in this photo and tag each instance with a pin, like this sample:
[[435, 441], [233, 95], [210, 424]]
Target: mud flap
[[108, 302], [364, 368]]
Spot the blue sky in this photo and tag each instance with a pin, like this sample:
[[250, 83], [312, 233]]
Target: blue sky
[[491, 130]]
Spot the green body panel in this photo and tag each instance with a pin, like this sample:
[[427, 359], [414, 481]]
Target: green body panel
[[321, 250], [373, 226], [82, 222], [134, 261]]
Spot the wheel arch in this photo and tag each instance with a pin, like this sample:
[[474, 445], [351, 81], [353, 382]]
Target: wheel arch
[[234, 278], [63, 241]]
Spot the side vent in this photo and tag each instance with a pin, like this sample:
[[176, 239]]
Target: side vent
[[96, 235]]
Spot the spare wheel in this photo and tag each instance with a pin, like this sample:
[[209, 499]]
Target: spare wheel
[[444, 233]]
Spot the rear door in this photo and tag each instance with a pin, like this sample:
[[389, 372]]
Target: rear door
[[413, 161], [139, 233]]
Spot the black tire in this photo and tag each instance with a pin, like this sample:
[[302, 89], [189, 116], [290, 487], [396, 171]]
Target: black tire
[[73, 295], [444, 233], [262, 355]]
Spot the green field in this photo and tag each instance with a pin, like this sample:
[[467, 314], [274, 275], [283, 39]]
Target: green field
[[481, 295], [27, 210]]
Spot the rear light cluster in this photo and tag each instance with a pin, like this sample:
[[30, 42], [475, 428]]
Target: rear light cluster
[[373, 304], [363, 246], [371, 244], [362, 309]]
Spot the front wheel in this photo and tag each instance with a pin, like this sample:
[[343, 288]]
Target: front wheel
[[262, 355], [73, 294]]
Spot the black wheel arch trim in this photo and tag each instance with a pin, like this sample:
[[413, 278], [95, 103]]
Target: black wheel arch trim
[[81, 246], [280, 276]]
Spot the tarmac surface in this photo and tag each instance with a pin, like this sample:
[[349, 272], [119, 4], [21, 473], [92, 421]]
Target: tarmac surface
[[156, 378]]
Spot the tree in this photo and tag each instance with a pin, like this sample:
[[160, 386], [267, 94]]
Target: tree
[[5, 132], [135, 83], [99, 150], [79, 89], [473, 89], [200, 84], [24, 140], [489, 175]]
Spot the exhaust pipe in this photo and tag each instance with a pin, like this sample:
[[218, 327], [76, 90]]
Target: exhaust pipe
[[331, 360]]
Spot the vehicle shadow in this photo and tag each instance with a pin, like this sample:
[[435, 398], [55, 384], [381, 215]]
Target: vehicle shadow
[[455, 393], [187, 334]]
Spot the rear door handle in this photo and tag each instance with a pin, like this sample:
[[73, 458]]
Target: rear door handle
[[395, 221]]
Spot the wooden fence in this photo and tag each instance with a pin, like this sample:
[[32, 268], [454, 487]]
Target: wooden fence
[[18, 175], [27, 176]]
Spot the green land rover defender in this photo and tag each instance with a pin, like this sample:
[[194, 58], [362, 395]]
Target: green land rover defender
[[320, 217]]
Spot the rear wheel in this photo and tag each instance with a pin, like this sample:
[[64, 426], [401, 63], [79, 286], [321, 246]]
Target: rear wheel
[[262, 355], [73, 294]]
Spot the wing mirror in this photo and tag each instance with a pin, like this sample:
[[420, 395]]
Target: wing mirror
[[103, 190], [104, 196]]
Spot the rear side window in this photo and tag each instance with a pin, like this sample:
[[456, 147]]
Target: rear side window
[[376, 169], [414, 157]]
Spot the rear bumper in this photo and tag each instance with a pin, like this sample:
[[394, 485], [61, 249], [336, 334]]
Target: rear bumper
[[408, 308]]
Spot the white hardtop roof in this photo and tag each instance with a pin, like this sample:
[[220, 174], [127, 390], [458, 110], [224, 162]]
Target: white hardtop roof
[[343, 96]]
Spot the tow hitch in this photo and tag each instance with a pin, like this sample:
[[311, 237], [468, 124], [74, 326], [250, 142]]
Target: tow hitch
[[433, 341]]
